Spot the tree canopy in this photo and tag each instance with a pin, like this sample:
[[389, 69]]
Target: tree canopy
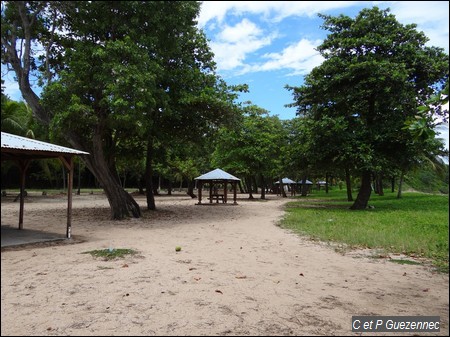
[[375, 75]]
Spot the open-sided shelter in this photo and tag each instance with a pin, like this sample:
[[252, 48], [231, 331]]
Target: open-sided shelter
[[23, 150], [215, 179]]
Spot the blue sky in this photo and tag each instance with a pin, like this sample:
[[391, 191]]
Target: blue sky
[[270, 44]]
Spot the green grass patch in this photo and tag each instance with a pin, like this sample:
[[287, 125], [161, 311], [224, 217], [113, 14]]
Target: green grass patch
[[400, 261], [415, 225], [111, 254]]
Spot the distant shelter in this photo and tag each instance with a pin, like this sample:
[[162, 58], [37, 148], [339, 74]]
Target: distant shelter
[[218, 182]]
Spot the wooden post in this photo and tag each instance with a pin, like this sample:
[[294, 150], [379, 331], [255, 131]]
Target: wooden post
[[23, 165], [68, 163], [200, 187], [225, 192], [210, 192], [234, 192], [69, 199]]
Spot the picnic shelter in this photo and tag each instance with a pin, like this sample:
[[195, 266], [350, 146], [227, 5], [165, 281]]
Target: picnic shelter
[[218, 182]]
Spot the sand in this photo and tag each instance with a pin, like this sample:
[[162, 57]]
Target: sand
[[238, 273]]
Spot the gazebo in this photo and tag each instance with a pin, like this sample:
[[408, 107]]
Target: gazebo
[[23, 150], [288, 183], [218, 189]]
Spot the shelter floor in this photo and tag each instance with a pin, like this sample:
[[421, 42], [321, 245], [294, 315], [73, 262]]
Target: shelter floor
[[12, 236]]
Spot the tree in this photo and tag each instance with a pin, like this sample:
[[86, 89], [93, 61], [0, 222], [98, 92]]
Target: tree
[[375, 74], [251, 149], [116, 77]]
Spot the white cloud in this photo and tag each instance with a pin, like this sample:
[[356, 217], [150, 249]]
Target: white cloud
[[234, 43], [431, 17], [300, 57], [270, 10], [235, 46]]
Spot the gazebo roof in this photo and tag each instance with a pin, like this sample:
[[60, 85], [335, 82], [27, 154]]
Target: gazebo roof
[[286, 181], [217, 174], [307, 182]]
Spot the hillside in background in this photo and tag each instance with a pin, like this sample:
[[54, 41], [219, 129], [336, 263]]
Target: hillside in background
[[428, 179]]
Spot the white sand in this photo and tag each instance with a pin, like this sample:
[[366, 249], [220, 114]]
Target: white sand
[[238, 273]]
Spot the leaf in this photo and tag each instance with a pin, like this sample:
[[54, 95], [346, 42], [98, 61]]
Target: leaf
[[218, 291]]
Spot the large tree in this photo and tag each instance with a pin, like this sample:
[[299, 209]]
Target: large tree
[[115, 75], [375, 74]]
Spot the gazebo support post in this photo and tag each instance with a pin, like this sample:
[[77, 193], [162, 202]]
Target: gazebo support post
[[210, 192], [225, 188], [234, 192], [200, 187], [68, 163], [23, 165]]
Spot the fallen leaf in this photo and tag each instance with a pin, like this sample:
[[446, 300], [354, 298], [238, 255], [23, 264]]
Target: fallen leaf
[[425, 290], [218, 291], [192, 268], [241, 276], [125, 266], [404, 274], [301, 274], [197, 278]]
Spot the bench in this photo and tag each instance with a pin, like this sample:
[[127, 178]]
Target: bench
[[218, 195]]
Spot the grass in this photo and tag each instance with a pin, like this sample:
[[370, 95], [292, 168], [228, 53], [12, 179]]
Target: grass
[[111, 254], [415, 225]]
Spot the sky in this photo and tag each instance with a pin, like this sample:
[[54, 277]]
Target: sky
[[271, 44]]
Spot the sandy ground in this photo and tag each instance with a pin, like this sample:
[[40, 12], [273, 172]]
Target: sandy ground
[[238, 273]]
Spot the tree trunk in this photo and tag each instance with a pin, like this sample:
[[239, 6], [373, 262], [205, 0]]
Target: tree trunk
[[263, 187], [241, 189], [348, 183], [282, 191], [364, 192], [149, 176], [400, 184], [380, 184], [190, 190], [122, 204], [304, 187], [249, 187]]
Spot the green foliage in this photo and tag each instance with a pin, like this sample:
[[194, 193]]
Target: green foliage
[[426, 178], [415, 225], [375, 74], [252, 147], [111, 254]]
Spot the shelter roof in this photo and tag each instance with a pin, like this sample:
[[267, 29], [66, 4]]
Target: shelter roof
[[307, 182], [217, 174], [14, 146], [286, 181]]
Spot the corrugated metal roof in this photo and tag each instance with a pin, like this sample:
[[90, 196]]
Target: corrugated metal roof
[[217, 174], [10, 141], [286, 181]]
